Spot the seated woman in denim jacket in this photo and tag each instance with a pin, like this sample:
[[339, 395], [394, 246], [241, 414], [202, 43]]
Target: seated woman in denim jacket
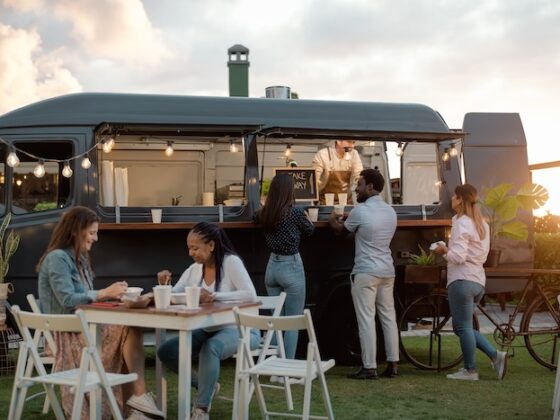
[[222, 276], [66, 281]]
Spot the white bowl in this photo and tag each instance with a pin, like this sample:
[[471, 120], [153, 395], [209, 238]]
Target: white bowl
[[179, 298], [233, 202], [133, 292]]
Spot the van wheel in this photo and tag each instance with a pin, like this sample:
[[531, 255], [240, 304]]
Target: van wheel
[[339, 330]]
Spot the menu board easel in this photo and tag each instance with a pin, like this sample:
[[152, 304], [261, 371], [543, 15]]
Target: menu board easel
[[305, 182]]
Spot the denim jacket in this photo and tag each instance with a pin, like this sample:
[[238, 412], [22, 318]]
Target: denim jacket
[[61, 287]]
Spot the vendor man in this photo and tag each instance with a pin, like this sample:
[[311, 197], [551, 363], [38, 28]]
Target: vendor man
[[337, 168]]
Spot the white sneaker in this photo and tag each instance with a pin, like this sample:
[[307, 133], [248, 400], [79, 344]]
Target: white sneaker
[[500, 365], [146, 404], [292, 381], [464, 374], [137, 415], [199, 414]]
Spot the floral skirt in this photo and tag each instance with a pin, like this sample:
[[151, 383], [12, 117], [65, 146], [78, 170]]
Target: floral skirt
[[69, 353]]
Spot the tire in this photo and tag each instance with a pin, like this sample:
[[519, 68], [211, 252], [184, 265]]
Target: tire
[[426, 335], [541, 331]]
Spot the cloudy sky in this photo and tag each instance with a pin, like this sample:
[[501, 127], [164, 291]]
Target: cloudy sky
[[456, 56]]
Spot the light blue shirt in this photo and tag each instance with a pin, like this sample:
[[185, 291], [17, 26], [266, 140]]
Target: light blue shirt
[[374, 222], [61, 288]]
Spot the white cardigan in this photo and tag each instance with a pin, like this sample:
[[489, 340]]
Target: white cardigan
[[235, 284]]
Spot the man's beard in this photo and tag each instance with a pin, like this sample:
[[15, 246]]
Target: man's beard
[[361, 198]]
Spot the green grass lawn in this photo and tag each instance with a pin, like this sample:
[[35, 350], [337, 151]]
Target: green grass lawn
[[525, 393]]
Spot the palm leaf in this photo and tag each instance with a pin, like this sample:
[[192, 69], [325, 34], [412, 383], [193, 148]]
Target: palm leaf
[[514, 230], [532, 196]]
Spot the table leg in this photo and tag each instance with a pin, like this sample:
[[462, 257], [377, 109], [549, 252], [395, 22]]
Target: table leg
[[95, 409], [160, 339], [185, 371]]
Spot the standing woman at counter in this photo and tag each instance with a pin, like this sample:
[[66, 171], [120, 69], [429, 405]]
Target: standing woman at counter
[[222, 276], [66, 281], [468, 248], [283, 224]]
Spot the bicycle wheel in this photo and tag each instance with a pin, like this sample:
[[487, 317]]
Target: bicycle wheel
[[541, 330], [426, 336]]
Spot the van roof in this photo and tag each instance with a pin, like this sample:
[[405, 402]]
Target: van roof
[[275, 117]]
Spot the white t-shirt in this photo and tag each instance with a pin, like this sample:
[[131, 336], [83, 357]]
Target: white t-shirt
[[326, 160], [466, 252]]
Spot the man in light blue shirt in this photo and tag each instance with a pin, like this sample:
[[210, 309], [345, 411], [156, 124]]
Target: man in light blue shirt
[[373, 277]]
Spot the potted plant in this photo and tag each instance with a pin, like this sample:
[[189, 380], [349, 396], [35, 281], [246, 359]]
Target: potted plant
[[8, 246], [422, 268], [501, 205]]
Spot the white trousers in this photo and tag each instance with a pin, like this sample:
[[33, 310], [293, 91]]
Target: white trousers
[[368, 294]]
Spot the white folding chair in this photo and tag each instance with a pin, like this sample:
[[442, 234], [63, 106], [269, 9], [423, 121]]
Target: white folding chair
[[82, 379], [309, 369], [43, 340], [556, 395]]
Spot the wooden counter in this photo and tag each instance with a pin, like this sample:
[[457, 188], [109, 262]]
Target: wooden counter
[[251, 225]]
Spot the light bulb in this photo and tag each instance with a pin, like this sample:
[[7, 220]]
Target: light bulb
[[12, 160], [86, 163], [39, 170], [169, 149], [108, 145], [445, 156], [399, 152], [453, 151], [67, 170], [233, 147], [288, 151], [19, 182], [346, 153]]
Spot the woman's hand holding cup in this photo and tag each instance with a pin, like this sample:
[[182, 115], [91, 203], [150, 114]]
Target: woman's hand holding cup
[[206, 296], [114, 291]]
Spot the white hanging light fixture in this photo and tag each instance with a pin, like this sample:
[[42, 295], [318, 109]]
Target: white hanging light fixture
[[288, 151], [233, 147], [39, 170], [399, 152], [346, 153], [169, 149], [67, 170], [108, 145], [445, 155], [12, 160], [86, 163], [453, 151]]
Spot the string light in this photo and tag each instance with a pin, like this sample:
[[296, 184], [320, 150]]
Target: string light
[[86, 163], [169, 149], [233, 147], [108, 145], [39, 170], [12, 159], [288, 151], [453, 151], [67, 170], [445, 155], [399, 152], [346, 153]]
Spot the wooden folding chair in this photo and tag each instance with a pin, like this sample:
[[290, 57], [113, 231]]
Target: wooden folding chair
[[89, 376], [309, 369]]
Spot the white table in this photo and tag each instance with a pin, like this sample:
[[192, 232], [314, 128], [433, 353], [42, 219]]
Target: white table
[[210, 315]]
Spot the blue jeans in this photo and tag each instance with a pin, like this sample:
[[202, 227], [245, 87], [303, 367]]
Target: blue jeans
[[463, 296], [211, 347], [284, 273]]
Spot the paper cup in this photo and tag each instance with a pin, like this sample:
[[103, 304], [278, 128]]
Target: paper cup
[[208, 198], [313, 213], [193, 296], [156, 215], [329, 199], [342, 198], [162, 296], [339, 209]]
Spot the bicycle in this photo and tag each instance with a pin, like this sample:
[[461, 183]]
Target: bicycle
[[439, 348]]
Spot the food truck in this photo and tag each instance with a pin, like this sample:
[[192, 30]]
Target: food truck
[[208, 158]]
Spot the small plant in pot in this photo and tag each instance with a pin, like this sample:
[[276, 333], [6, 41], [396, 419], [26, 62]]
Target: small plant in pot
[[422, 268], [501, 206]]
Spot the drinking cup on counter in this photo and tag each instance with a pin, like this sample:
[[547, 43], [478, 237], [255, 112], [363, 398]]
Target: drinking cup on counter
[[193, 296], [329, 199], [339, 209], [313, 213], [208, 198], [156, 215], [162, 296], [342, 198]]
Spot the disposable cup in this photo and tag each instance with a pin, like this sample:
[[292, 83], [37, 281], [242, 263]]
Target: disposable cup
[[313, 213], [162, 296], [339, 209], [208, 198], [156, 215], [193, 296], [329, 199], [342, 198]]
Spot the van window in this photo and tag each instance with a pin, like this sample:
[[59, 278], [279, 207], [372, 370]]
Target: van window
[[32, 194]]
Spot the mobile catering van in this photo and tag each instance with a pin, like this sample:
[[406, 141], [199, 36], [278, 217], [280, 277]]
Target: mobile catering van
[[107, 152]]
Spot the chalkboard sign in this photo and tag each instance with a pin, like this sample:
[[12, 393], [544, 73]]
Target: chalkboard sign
[[305, 182]]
